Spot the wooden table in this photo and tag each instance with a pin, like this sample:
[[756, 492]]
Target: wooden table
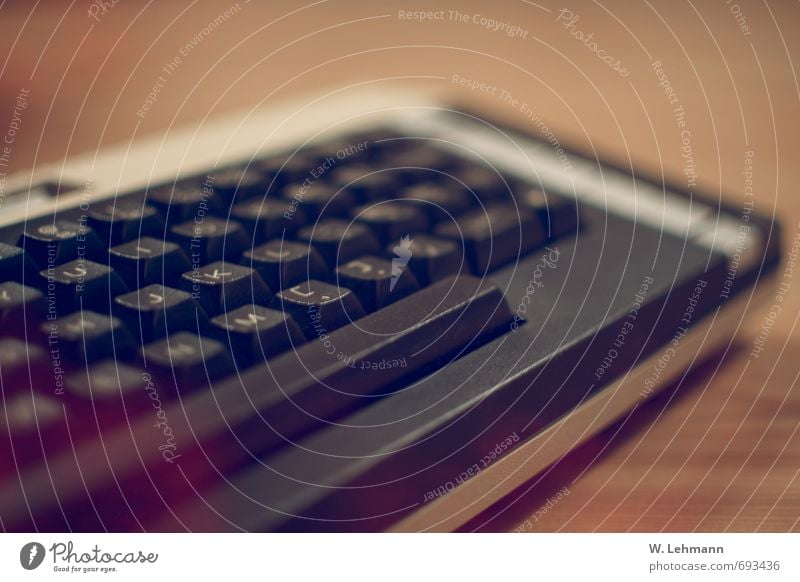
[[725, 454]]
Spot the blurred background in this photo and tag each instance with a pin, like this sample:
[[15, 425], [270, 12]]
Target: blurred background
[[614, 77]]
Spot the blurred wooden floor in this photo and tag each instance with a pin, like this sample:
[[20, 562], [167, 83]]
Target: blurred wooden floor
[[725, 454]]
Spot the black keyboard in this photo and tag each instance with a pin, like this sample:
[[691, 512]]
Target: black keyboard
[[328, 338]]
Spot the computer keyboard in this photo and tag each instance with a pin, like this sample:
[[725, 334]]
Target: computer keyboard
[[314, 339]]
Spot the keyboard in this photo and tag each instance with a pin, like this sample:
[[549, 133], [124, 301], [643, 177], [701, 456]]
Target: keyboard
[[355, 332]]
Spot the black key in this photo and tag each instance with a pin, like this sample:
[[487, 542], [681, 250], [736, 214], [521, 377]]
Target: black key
[[383, 135], [429, 258], [319, 307], [211, 239], [119, 221], [238, 184], [284, 263], [339, 241], [270, 217], [320, 199], [341, 150], [21, 363], [90, 336], [367, 184], [155, 311], [106, 380], [416, 153], [418, 162], [191, 358], [439, 202], [558, 214], [381, 143], [112, 389], [281, 170], [298, 165], [21, 307], [223, 286], [253, 332], [482, 182], [391, 220], [149, 260], [494, 235], [16, 265], [81, 283], [181, 202], [377, 282], [28, 421], [61, 241]]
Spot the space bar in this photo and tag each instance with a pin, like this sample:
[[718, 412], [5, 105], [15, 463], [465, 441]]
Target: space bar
[[348, 368], [216, 430]]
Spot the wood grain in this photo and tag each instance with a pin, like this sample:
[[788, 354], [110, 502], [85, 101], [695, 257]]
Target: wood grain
[[719, 452]]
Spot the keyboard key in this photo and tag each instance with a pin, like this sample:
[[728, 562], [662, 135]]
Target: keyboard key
[[391, 220], [284, 263], [440, 203], [119, 221], [148, 260], [419, 162], [155, 311], [253, 332], [343, 150], [367, 184], [113, 390], [191, 358], [418, 154], [237, 184], [61, 241], [87, 336], [339, 241], [269, 218], [81, 283], [319, 307], [16, 265], [482, 182], [20, 306], [21, 364], [105, 380], [319, 199], [211, 239], [28, 421], [429, 258], [184, 202], [494, 235], [281, 170], [381, 143], [223, 286], [15, 355], [558, 214], [377, 282]]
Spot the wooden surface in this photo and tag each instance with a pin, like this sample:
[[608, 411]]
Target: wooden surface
[[719, 453]]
